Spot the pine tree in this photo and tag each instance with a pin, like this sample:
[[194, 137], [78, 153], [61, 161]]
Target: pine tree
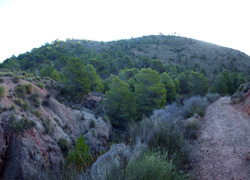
[[169, 86], [55, 75], [120, 103], [76, 81], [229, 82], [150, 92], [95, 80], [220, 85], [198, 84], [183, 79], [81, 156]]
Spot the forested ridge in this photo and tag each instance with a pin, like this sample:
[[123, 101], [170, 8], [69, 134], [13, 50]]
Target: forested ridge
[[157, 69], [153, 91]]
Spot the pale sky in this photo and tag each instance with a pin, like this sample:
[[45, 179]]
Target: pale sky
[[25, 24]]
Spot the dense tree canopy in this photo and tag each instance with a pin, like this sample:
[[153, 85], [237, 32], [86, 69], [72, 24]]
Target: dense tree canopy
[[198, 84], [169, 86], [95, 80], [150, 92], [76, 81], [120, 104]]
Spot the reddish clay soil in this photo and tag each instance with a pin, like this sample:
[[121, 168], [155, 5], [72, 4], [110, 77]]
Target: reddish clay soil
[[222, 150]]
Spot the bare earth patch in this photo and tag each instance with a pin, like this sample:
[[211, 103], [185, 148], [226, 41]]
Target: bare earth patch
[[222, 150]]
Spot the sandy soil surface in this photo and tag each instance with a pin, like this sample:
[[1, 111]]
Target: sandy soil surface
[[222, 150]]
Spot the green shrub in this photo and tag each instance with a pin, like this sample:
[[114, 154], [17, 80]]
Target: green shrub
[[47, 126], [195, 104], [16, 79], [41, 85], [9, 74], [63, 144], [21, 91], [25, 106], [2, 91], [37, 78], [81, 156], [35, 99], [36, 113], [29, 88], [191, 128], [210, 98], [152, 165], [13, 107], [164, 131], [22, 125], [19, 101]]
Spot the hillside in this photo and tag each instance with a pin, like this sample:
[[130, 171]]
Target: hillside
[[37, 132], [109, 58], [148, 94]]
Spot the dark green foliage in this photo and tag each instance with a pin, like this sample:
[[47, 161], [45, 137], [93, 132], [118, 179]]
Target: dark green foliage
[[63, 144], [21, 91], [229, 82], [96, 63], [29, 88], [96, 82], [220, 85], [152, 165], [37, 78], [169, 86], [47, 126], [19, 126], [13, 107], [55, 75], [156, 65], [150, 92], [124, 62], [36, 113], [119, 103], [183, 80], [47, 71], [76, 81], [35, 99], [16, 79], [1, 80], [19, 101], [177, 85], [198, 84], [240, 80], [81, 156], [25, 106], [2, 92], [41, 85], [126, 74], [164, 131]]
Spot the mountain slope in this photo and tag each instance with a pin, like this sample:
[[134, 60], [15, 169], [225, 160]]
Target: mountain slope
[[184, 52], [36, 131]]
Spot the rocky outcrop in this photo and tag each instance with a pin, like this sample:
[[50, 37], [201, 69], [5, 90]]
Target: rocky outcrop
[[114, 160], [29, 138]]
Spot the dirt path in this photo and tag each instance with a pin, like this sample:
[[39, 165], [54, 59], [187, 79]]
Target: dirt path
[[222, 150]]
